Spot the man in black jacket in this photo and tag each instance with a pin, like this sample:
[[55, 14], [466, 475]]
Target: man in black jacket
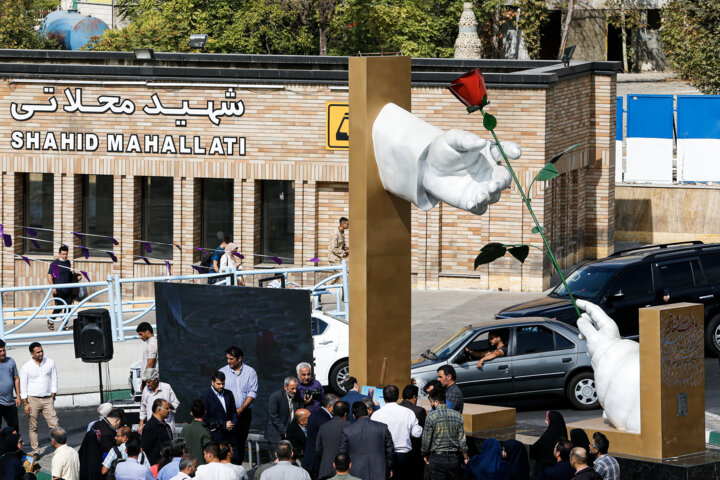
[[579, 461], [327, 444], [369, 445], [562, 469], [317, 419], [220, 411], [409, 400], [281, 409], [156, 431], [296, 433]]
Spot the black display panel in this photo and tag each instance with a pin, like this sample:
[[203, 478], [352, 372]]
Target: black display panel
[[196, 323]]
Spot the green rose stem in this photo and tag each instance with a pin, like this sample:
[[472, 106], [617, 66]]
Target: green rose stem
[[549, 252]]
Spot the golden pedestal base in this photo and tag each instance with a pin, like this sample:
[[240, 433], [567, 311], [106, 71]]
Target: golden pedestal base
[[478, 418]]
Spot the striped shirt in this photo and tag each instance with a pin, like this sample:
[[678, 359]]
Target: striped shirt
[[608, 467], [443, 432]]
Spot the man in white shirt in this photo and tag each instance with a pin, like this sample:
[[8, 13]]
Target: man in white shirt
[[188, 466], [213, 469], [150, 352], [153, 390], [403, 424], [120, 451], [38, 387], [66, 461]]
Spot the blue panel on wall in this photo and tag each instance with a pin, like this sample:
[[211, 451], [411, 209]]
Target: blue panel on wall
[[619, 118], [650, 116], [698, 116]]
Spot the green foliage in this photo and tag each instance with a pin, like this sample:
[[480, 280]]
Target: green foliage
[[691, 41], [548, 172], [489, 122], [490, 253], [18, 21], [420, 28], [534, 14], [234, 26], [520, 252]]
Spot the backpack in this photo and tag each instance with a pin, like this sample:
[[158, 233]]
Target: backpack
[[110, 475], [206, 262]]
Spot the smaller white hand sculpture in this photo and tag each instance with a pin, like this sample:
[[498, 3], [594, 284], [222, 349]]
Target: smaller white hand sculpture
[[466, 171], [422, 164], [616, 362]]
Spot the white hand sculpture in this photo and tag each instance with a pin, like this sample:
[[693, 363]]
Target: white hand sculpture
[[616, 363], [423, 164]]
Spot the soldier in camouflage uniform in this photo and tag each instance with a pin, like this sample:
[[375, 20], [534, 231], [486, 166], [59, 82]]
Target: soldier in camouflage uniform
[[338, 249]]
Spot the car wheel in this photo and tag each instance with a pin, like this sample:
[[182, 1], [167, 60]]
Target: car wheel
[[712, 336], [581, 391], [338, 374]]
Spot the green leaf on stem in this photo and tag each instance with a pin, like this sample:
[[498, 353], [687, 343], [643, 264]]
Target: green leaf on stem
[[489, 122], [489, 253], [557, 157], [536, 230], [520, 252], [548, 172]]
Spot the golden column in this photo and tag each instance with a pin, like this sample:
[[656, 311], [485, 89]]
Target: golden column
[[380, 232]]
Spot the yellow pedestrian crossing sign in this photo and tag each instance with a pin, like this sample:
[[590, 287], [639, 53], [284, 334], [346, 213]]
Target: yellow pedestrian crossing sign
[[337, 130]]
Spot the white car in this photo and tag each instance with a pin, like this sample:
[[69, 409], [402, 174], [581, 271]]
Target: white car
[[331, 351]]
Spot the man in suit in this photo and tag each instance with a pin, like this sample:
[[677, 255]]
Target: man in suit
[[328, 439], [317, 419], [156, 431], [220, 410], [353, 395], [369, 445], [281, 409], [296, 433], [410, 396]]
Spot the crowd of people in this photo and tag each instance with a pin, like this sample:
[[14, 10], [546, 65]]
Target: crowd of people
[[310, 434]]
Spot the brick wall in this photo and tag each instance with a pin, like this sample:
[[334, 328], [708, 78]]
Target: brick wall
[[284, 130]]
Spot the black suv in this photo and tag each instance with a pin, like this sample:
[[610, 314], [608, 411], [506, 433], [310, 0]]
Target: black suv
[[636, 278]]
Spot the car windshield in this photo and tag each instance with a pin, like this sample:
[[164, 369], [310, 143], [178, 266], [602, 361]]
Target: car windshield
[[445, 348], [585, 282]]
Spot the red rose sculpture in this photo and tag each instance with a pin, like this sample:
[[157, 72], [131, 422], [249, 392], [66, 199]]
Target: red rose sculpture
[[470, 90]]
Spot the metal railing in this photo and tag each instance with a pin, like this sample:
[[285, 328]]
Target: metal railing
[[123, 313]]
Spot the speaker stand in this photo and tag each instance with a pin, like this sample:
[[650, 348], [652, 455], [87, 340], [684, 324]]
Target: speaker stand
[[101, 384]]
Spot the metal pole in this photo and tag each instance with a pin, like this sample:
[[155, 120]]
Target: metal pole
[[346, 289], [2, 316], [111, 307], [101, 385], [118, 305]]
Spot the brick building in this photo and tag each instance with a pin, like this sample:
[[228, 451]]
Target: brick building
[[175, 149]]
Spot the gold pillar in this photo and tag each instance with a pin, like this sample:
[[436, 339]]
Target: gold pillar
[[672, 386], [380, 232]]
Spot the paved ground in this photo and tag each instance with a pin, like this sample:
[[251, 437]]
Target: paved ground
[[435, 314]]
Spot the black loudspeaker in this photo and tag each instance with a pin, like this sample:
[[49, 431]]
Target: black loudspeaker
[[92, 336]]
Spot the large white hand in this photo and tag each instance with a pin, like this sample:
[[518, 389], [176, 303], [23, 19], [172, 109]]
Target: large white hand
[[616, 362], [465, 171]]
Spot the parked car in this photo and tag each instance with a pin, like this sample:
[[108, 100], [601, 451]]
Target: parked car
[[330, 351], [544, 357], [636, 278]]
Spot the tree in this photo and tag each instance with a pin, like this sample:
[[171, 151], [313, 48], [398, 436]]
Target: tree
[[566, 26], [18, 22], [233, 26], [691, 41], [625, 15]]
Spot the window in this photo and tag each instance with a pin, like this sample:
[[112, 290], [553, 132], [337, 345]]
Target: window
[[675, 275], [97, 214], [533, 339], [38, 211], [318, 326], [585, 282], [711, 262], [278, 220], [562, 343], [635, 281], [216, 211], [157, 216]]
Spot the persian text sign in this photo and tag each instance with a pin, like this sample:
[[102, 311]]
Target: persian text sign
[[151, 143]]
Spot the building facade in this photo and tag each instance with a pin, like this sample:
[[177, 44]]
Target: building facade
[[153, 160]]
